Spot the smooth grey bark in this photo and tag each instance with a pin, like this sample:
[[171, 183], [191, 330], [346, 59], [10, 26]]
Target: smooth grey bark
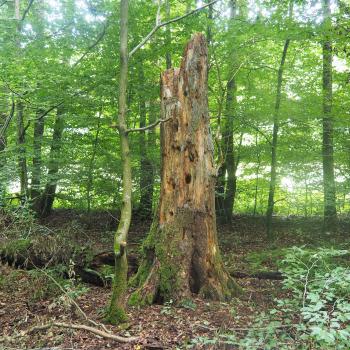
[[209, 26], [146, 167], [3, 142], [226, 175], [168, 35], [22, 157], [49, 193], [35, 192], [330, 211], [257, 171], [90, 178], [273, 173]]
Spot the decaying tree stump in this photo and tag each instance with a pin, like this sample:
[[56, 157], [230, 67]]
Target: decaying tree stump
[[181, 253]]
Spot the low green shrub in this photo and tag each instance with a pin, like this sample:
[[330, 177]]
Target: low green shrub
[[314, 315]]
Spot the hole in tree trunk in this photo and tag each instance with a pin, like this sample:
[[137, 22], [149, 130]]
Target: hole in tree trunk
[[188, 178], [158, 298], [195, 280]]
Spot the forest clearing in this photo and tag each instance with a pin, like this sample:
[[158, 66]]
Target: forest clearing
[[175, 174]]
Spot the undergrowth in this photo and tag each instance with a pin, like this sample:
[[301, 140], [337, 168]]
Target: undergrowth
[[314, 315]]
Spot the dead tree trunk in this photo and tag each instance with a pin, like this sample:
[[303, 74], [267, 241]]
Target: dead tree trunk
[[181, 253]]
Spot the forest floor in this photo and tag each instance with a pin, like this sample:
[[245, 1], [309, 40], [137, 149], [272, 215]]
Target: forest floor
[[245, 249]]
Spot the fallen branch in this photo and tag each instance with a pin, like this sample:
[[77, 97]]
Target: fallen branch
[[93, 330]]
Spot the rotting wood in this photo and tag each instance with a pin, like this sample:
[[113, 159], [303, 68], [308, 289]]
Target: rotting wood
[[181, 253]]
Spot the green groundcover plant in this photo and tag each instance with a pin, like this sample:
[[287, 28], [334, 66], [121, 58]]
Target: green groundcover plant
[[315, 314]]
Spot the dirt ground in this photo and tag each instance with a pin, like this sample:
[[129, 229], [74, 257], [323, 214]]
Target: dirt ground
[[244, 249]]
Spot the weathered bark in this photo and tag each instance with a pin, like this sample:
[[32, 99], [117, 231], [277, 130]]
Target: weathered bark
[[22, 157], [330, 211], [273, 173], [146, 167], [181, 252], [49, 193], [116, 310], [35, 193]]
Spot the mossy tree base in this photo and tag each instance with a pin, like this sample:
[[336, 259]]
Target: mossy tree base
[[181, 253], [116, 310], [181, 260]]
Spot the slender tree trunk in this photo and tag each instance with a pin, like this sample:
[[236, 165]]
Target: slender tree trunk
[[330, 212], [49, 193], [258, 157], [231, 183], [228, 182], [22, 157], [228, 147], [116, 312], [91, 166], [168, 35], [146, 167], [181, 252], [273, 174], [35, 193], [306, 199], [209, 26], [3, 143]]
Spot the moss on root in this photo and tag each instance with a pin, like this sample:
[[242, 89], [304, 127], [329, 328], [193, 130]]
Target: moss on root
[[159, 276], [116, 315]]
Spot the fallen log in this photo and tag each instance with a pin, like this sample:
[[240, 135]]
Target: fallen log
[[262, 275], [96, 269]]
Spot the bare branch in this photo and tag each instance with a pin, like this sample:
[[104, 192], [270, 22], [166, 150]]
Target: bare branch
[[3, 3], [21, 96], [160, 25], [26, 10], [93, 45], [7, 122], [151, 126]]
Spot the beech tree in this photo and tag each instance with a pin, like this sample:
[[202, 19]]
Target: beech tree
[[330, 211]]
